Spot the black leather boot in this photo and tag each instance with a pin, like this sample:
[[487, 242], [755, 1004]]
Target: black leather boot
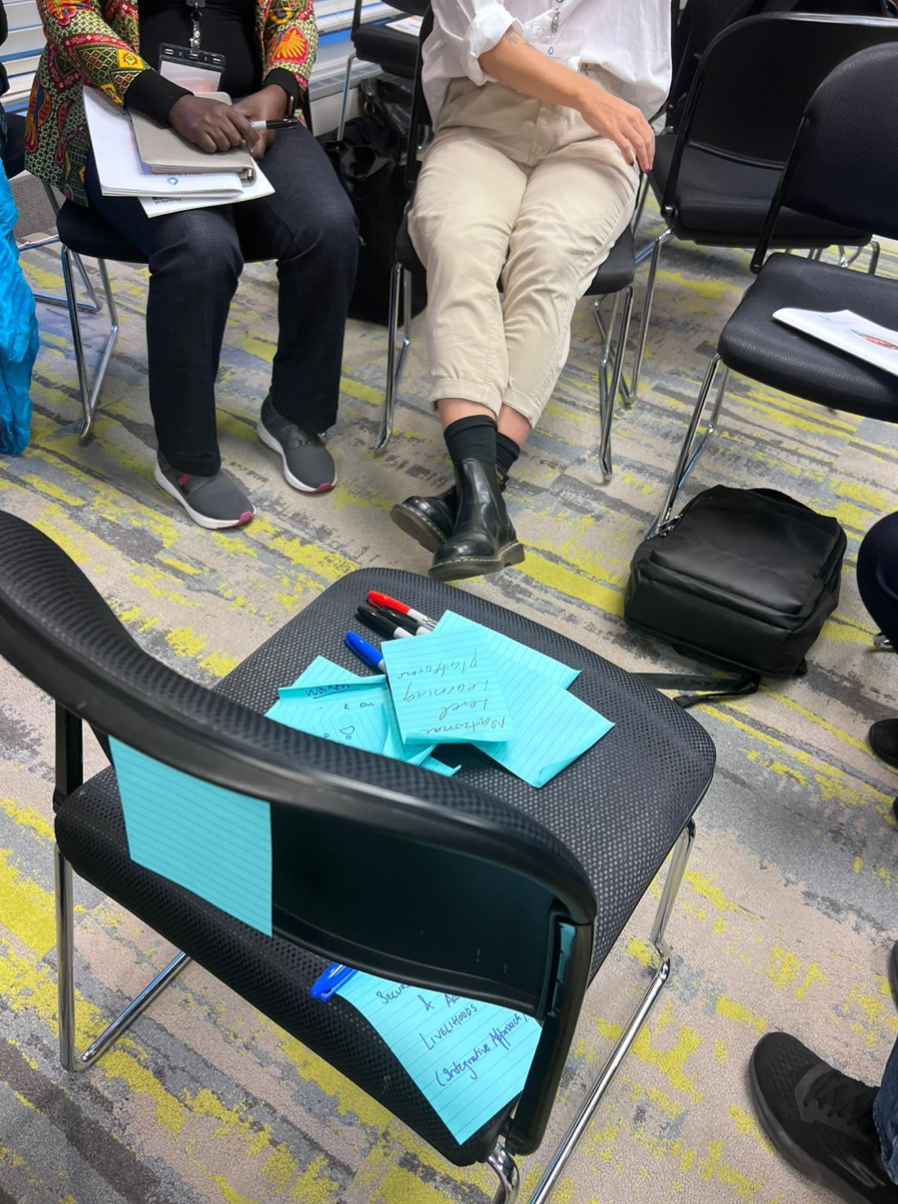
[[483, 539], [429, 520], [883, 737]]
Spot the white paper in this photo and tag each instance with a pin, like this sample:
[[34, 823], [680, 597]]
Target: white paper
[[121, 171], [848, 332], [155, 206], [410, 25]]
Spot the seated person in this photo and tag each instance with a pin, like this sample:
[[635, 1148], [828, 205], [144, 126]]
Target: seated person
[[541, 129], [832, 1128], [196, 257]]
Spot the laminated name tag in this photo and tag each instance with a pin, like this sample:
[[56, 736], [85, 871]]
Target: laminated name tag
[[545, 34]]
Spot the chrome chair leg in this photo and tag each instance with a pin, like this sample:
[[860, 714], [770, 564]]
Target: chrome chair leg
[[506, 1171], [90, 394], [875, 252], [395, 357], [65, 968], [94, 303], [676, 870], [656, 248], [641, 197], [608, 398], [347, 78], [692, 447]]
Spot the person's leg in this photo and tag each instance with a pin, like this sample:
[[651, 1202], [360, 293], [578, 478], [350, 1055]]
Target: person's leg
[[465, 205], [308, 225], [877, 579], [576, 205], [834, 1129], [195, 264]]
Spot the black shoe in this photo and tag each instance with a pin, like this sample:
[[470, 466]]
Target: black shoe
[[308, 465], [483, 539], [821, 1121], [429, 520], [883, 737], [893, 970]]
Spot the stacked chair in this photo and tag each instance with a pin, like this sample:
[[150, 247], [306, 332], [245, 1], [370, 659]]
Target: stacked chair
[[840, 173], [715, 175]]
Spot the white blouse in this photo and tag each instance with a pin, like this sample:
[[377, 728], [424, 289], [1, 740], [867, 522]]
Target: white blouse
[[630, 39]]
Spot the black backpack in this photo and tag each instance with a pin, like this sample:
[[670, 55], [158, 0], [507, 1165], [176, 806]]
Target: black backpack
[[742, 579]]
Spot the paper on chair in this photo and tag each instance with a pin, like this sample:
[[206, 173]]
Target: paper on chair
[[469, 1059], [520, 654], [848, 332], [446, 689], [552, 727], [210, 840]]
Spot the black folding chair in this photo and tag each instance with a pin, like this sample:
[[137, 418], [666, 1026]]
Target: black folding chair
[[613, 279], [366, 854], [715, 177], [839, 172], [392, 50]]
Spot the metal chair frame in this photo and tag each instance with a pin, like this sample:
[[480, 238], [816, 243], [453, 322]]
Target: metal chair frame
[[69, 775], [89, 392]]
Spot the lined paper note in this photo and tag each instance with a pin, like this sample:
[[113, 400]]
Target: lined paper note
[[468, 1058], [210, 840], [446, 689], [517, 653], [552, 727]]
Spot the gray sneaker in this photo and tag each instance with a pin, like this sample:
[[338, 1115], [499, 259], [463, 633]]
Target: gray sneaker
[[308, 465], [213, 502]]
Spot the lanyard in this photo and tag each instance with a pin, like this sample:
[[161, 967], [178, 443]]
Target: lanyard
[[196, 12], [556, 15]]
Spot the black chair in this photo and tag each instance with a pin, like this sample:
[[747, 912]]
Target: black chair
[[392, 50], [84, 234], [837, 173], [613, 279], [715, 177], [366, 853]]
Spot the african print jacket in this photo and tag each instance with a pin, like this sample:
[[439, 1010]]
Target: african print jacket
[[97, 43]]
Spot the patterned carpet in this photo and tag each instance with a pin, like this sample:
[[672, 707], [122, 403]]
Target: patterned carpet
[[789, 908]]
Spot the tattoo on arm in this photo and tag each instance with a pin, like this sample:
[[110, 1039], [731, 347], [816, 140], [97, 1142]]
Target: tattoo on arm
[[513, 38]]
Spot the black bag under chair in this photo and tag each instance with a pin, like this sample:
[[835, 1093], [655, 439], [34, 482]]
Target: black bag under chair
[[743, 579]]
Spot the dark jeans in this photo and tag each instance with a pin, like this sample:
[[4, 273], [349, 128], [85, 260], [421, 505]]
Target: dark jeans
[[877, 579], [196, 258], [877, 575]]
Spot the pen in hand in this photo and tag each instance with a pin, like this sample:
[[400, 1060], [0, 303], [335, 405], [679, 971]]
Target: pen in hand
[[285, 123]]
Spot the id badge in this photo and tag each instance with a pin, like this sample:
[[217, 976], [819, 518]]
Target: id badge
[[199, 71]]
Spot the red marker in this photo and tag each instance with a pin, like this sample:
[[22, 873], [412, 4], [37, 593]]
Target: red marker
[[378, 599]]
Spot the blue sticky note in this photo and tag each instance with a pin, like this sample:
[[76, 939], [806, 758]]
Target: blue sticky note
[[345, 718], [512, 650], [210, 840], [446, 689], [552, 727], [322, 672], [435, 766], [396, 747], [468, 1058]]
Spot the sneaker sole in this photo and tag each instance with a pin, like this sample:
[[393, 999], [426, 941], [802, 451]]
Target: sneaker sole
[[421, 529], [202, 520], [793, 1153], [473, 566], [269, 440]]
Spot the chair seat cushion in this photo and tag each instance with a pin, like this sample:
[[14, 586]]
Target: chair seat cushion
[[616, 272], [84, 231], [619, 809], [392, 50], [720, 202], [766, 350]]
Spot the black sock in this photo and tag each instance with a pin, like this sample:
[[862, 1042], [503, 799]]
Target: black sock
[[472, 438], [507, 451]]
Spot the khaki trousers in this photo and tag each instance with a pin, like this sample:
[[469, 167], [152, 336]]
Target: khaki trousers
[[527, 191]]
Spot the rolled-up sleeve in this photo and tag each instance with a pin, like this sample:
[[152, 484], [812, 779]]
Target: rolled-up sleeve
[[474, 26]]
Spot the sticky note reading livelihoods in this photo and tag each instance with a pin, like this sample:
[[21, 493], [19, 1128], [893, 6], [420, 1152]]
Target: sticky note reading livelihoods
[[446, 689], [468, 1058]]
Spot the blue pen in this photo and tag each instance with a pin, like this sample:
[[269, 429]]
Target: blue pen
[[364, 651], [333, 978]]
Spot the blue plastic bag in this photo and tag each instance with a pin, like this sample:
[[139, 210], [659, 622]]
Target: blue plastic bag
[[18, 334]]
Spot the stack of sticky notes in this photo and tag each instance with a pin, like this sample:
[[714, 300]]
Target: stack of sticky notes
[[462, 683]]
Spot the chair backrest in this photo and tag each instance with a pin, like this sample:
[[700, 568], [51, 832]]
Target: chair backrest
[[420, 118], [754, 80], [414, 8], [844, 165], [374, 863]]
